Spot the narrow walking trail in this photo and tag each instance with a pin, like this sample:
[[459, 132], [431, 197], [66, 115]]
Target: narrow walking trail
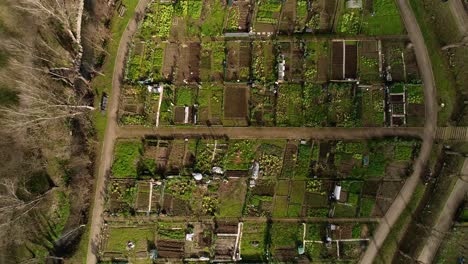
[[425, 68]]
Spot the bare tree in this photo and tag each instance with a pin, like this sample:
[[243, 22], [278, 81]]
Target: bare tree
[[67, 13], [41, 103]]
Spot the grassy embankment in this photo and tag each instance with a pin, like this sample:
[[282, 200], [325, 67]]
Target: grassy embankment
[[436, 34]]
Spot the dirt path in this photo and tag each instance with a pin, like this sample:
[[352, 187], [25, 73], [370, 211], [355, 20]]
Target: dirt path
[[425, 68], [110, 135], [444, 222], [273, 132]]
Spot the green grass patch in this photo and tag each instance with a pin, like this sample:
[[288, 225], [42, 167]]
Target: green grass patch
[[282, 188], [231, 202], [297, 192], [344, 210], [285, 235], [126, 157], [185, 96], [314, 232], [280, 206], [384, 21], [119, 237], [415, 93], [367, 206], [254, 241], [302, 170]]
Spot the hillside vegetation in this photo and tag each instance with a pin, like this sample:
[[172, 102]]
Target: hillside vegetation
[[46, 134]]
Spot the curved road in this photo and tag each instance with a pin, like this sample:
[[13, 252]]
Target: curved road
[[425, 67], [110, 134]]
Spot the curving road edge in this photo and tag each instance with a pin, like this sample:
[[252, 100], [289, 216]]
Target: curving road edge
[[110, 135], [425, 68]]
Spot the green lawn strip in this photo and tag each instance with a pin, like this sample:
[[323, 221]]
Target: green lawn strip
[[384, 21], [302, 170], [345, 210], [280, 206], [297, 192], [119, 237], [282, 188], [126, 157], [390, 245], [253, 243], [103, 82], [367, 206], [185, 96], [445, 83]]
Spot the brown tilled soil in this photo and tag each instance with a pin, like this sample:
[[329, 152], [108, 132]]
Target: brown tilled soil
[[351, 61], [235, 102], [337, 61]]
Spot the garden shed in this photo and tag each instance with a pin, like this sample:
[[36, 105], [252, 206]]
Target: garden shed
[[337, 192]]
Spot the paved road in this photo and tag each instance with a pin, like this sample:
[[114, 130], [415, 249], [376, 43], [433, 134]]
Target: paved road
[[425, 68], [110, 136], [445, 220], [273, 132]]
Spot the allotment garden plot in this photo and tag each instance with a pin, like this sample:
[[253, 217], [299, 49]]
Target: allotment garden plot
[[167, 240], [217, 63], [275, 178]]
